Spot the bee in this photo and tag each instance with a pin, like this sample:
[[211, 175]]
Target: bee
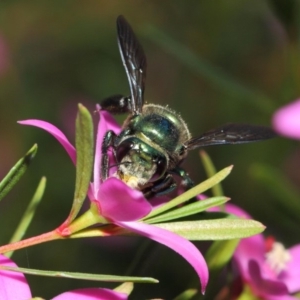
[[155, 140]]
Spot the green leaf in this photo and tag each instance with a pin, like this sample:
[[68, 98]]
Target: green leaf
[[28, 214], [84, 158], [125, 288], [16, 172], [214, 75], [186, 295], [196, 190], [82, 276], [211, 171], [220, 253], [218, 229], [189, 209]]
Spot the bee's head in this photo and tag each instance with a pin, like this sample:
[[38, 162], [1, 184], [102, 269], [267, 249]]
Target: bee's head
[[139, 162]]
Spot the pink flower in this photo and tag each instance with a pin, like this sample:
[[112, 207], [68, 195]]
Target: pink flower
[[271, 271], [122, 205], [91, 294], [14, 286], [286, 120]]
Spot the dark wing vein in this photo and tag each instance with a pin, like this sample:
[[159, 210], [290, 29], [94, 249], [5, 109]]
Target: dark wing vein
[[231, 134]]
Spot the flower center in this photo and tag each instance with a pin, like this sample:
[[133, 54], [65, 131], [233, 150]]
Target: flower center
[[278, 257]]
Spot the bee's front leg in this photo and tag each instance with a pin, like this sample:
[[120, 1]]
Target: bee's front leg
[[108, 141]]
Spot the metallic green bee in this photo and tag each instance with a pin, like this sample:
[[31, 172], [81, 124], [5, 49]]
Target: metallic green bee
[[155, 140]]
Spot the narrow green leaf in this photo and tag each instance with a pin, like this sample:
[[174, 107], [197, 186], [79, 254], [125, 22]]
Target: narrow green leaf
[[218, 229], [28, 214], [211, 171], [82, 276], [196, 190], [189, 209], [125, 288], [84, 158], [216, 76], [220, 253], [16, 172], [187, 295]]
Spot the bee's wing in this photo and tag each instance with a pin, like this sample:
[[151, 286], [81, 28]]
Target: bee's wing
[[231, 134], [134, 60]]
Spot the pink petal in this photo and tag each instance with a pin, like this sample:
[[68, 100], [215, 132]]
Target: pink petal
[[91, 192], [110, 123], [91, 294], [158, 201], [231, 209], [177, 243], [264, 286], [291, 276], [286, 120], [282, 297], [106, 122], [201, 197], [56, 133], [237, 211], [118, 202], [13, 285], [252, 248]]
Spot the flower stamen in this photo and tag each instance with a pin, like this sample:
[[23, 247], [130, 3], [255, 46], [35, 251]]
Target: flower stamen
[[278, 257]]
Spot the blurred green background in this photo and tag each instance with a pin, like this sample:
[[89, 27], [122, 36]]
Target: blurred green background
[[212, 61]]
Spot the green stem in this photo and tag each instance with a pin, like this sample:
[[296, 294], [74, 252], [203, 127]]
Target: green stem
[[87, 219], [45, 237]]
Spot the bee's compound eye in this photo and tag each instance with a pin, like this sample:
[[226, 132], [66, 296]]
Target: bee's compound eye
[[123, 149], [161, 166]]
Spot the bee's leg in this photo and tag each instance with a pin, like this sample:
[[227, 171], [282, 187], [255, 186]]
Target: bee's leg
[[108, 141], [117, 104], [186, 181], [161, 187]]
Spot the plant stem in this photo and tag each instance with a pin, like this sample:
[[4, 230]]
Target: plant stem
[[45, 237]]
